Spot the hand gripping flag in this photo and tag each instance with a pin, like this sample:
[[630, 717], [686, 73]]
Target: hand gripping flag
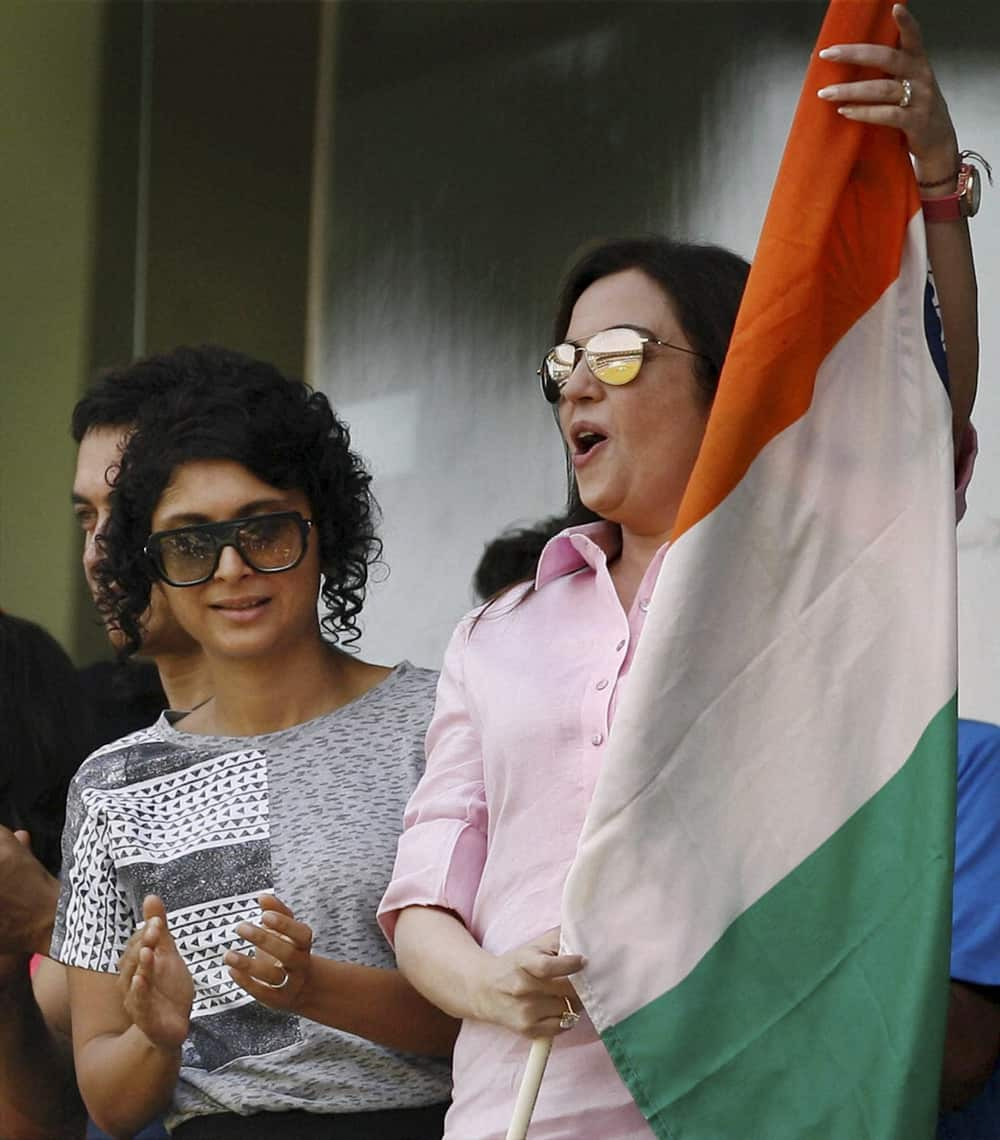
[[762, 887]]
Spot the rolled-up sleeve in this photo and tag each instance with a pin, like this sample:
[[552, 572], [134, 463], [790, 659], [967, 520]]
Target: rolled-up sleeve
[[442, 851]]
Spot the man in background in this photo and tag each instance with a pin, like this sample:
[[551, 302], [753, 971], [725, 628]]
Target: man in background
[[38, 1093]]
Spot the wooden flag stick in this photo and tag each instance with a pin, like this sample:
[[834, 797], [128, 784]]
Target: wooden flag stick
[[527, 1094]]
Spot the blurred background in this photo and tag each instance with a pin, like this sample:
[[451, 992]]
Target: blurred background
[[381, 195]]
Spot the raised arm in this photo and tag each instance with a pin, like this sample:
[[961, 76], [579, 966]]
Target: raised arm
[[38, 1094], [919, 110]]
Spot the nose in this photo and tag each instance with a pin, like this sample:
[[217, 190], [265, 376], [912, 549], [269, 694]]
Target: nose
[[93, 552], [231, 565], [581, 384]]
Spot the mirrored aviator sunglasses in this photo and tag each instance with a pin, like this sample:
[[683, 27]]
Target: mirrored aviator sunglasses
[[189, 555], [613, 355]]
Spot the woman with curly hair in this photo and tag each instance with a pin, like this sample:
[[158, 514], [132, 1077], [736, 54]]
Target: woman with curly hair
[[222, 868]]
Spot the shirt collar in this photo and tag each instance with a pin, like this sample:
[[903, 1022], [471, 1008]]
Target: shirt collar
[[570, 550]]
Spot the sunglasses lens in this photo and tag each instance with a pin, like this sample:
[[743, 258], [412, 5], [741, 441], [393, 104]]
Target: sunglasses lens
[[187, 556], [615, 355], [271, 542], [556, 370]]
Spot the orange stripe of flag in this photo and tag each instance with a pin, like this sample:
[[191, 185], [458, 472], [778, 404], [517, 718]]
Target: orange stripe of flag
[[830, 246]]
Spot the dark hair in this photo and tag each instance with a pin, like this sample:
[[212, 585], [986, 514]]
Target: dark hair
[[117, 394], [512, 556], [704, 283], [224, 405], [47, 732]]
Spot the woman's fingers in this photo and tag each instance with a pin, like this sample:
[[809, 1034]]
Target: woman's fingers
[[276, 973], [889, 91], [893, 60], [547, 967], [259, 968], [910, 37], [153, 907], [298, 933], [277, 944]]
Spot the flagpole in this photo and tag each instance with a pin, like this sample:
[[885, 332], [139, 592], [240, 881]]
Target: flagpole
[[527, 1094]]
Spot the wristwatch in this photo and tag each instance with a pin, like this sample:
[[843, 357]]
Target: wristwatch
[[964, 203]]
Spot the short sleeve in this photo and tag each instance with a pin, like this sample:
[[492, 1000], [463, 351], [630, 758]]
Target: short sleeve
[[442, 851], [94, 920], [975, 950]]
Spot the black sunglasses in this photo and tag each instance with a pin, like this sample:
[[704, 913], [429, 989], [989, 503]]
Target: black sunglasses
[[189, 555]]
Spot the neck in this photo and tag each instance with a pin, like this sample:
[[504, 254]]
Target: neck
[[633, 561], [185, 678], [254, 697]]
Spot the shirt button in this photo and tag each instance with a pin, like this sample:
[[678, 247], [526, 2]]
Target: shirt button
[[602, 683], [644, 605], [597, 739], [620, 646]]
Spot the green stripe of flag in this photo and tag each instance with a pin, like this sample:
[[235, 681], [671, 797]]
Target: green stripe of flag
[[832, 945]]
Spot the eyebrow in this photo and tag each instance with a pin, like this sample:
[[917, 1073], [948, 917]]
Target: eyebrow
[[196, 518], [80, 500]]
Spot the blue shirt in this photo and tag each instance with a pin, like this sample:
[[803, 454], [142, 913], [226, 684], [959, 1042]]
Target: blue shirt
[[975, 947]]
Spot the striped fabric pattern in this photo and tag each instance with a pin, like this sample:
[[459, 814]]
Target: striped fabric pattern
[[762, 885]]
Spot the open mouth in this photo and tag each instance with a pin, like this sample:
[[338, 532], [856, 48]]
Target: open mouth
[[586, 440]]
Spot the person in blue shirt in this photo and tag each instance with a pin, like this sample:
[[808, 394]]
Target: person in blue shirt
[[970, 1085]]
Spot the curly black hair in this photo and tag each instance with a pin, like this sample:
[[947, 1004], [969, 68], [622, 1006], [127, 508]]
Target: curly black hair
[[224, 405]]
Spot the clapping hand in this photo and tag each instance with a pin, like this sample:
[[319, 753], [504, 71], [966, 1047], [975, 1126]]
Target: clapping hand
[[157, 988], [278, 971]]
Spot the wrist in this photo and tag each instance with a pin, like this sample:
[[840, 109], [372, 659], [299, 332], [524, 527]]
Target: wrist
[[938, 173], [165, 1053]]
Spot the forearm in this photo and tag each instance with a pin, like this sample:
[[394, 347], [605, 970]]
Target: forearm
[[436, 952], [125, 1079], [38, 1094], [949, 250], [377, 1004]]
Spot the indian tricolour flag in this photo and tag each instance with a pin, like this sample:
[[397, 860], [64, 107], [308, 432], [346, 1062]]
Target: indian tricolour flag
[[763, 881]]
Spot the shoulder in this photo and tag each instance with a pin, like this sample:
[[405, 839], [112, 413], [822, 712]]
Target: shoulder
[[102, 764]]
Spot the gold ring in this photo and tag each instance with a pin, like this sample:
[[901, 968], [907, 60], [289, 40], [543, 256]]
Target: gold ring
[[569, 1017], [907, 96]]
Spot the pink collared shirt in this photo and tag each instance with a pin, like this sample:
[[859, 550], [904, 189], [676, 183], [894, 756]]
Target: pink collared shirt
[[525, 702]]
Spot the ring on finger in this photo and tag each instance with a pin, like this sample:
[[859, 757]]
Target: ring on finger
[[276, 985], [907, 97], [569, 1017]]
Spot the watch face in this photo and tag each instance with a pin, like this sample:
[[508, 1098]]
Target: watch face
[[969, 190]]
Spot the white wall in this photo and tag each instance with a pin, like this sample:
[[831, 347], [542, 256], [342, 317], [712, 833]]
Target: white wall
[[432, 362]]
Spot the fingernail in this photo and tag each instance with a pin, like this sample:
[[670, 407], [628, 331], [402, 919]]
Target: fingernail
[[269, 918], [826, 92], [846, 112], [244, 930], [229, 958], [830, 53]]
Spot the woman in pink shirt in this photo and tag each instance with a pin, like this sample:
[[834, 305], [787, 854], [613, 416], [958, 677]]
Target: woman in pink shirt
[[530, 684]]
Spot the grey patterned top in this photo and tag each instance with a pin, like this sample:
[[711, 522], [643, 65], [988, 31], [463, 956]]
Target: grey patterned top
[[311, 814]]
